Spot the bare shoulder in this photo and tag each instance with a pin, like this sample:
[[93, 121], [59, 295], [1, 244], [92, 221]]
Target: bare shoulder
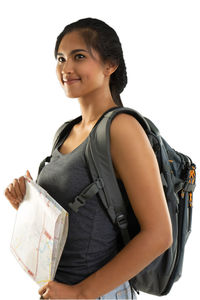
[[126, 123], [127, 133]]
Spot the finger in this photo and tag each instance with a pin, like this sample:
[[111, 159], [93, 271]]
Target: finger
[[22, 185], [12, 200], [17, 190], [9, 196], [42, 289], [12, 191], [28, 174], [46, 295]]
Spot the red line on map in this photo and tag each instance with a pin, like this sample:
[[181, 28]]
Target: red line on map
[[47, 235], [31, 273]]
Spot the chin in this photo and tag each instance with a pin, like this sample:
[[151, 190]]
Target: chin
[[75, 94], [72, 95]]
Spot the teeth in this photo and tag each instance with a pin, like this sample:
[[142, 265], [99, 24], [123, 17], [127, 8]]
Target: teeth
[[70, 80], [66, 80]]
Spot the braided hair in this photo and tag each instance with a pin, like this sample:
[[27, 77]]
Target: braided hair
[[102, 38]]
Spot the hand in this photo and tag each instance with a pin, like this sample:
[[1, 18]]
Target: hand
[[16, 191], [57, 290]]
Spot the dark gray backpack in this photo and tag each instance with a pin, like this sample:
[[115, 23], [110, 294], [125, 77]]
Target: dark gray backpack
[[178, 177]]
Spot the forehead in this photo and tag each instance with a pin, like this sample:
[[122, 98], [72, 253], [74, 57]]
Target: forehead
[[71, 40]]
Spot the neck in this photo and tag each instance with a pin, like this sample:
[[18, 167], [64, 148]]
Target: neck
[[92, 107]]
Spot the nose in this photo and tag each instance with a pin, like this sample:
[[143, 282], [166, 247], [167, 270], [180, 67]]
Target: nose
[[67, 67]]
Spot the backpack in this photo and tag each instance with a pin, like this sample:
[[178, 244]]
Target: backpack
[[178, 177]]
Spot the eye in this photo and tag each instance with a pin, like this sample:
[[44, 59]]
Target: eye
[[61, 59], [79, 56]]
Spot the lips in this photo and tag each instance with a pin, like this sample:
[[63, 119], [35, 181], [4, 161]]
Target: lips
[[70, 80]]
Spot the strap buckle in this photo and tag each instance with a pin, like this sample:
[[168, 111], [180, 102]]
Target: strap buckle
[[99, 182], [122, 221], [88, 192], [78, 202]]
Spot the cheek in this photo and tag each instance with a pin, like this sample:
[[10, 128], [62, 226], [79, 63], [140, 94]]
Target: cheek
[[94, 74], [97, 77], [58, 72]]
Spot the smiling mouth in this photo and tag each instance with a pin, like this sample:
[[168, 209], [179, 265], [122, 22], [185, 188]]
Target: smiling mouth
[[71, 81]]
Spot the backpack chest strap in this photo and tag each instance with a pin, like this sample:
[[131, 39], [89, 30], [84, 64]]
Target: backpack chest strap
[[88, 192]]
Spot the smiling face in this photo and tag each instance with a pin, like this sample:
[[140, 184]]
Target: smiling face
[[79, 73]]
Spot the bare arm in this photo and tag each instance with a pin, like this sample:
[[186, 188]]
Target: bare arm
[[135, 162]]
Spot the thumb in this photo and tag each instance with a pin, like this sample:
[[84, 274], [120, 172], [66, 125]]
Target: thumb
[[28, 175]]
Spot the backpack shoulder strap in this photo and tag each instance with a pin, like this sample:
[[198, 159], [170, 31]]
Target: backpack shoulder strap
[[58, 133], [153, 127], [62, 130]]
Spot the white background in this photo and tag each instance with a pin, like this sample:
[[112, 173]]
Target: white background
[[160, 40]]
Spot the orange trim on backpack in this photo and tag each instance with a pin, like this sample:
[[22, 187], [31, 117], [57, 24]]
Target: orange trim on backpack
[[190, 199], [192, 176]]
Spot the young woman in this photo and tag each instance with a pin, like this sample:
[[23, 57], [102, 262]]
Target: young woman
[[91, 68]]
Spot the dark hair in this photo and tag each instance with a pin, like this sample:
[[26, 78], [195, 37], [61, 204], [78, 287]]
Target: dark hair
[[102, 38]]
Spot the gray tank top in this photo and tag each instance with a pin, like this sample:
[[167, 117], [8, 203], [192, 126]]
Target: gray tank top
[[92, 239]]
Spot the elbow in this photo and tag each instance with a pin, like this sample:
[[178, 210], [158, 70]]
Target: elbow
[[161, 238], [168, 241], [165, 239]]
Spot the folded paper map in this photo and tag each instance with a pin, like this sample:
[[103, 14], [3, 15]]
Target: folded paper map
[[39, 234]]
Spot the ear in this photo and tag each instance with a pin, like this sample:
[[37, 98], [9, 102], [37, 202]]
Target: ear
[[110, 68]]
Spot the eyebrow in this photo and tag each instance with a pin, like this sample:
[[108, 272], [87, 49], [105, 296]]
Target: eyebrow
[[73, 51]]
